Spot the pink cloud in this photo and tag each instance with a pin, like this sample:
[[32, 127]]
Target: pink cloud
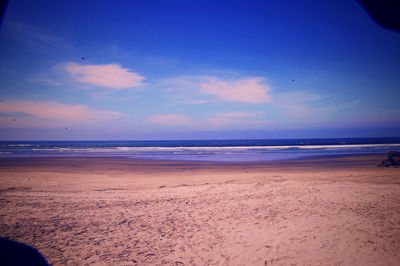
[[53, 111], [111, 75], [171, 119], [249, 90]]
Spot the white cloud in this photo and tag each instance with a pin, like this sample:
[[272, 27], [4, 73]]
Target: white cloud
[[110, 75]]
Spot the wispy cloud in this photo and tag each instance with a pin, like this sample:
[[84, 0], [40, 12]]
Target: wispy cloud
[[238, 114], [217, 121], [194, 101], [295, 103], [162, 61], [236, 119], [339, 107], [171, 119], [111, 75], [49, 81], [52, 111], [36, 37]]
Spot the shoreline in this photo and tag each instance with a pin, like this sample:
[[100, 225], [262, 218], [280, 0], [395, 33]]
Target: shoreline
[[235, 151], [305, 159]]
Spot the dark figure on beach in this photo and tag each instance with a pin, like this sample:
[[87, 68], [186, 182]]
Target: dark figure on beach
[[15, 253], [393, 160]]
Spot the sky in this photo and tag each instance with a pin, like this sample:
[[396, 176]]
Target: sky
[[112, 70]]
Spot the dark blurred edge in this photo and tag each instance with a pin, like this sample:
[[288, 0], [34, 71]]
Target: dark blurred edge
[[3, 6], [386, 13], [13, 253]]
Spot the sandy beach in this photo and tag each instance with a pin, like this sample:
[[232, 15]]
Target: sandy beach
[[112, 211]]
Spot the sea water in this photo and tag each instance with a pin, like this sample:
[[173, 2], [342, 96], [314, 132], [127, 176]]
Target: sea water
[[201, 150]]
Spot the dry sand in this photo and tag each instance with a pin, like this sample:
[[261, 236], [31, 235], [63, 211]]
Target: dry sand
[[337, 211]]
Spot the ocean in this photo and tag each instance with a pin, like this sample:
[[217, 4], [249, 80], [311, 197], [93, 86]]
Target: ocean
[[251, 150]]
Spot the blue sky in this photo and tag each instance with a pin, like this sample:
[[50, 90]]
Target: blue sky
[[196, 69]]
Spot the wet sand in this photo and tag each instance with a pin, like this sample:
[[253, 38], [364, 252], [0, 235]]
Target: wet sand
[[114, 211]]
